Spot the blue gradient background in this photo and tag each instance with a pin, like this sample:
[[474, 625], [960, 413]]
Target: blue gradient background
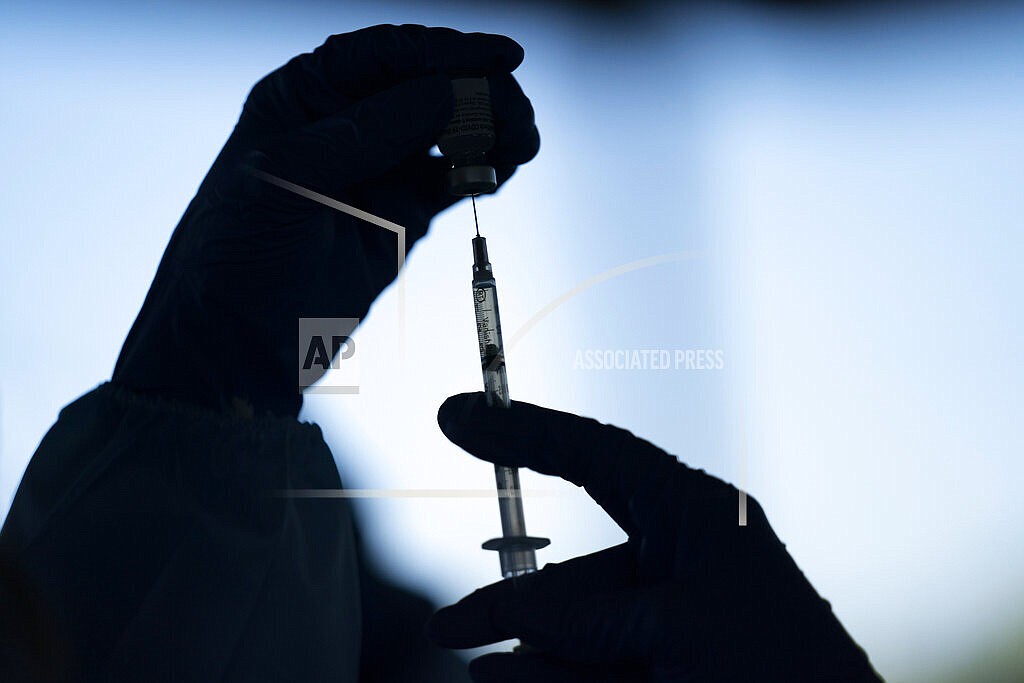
[[851, 184]]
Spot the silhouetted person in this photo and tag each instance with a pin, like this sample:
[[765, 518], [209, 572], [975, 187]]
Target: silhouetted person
[[146, 521], [146, 518]]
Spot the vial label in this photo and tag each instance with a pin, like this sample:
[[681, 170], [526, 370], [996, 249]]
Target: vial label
[[488, 327], [471, 115]]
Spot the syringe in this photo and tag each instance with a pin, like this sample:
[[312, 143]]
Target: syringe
[[515, 549]]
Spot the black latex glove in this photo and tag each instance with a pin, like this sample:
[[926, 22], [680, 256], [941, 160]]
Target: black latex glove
[[353, 120], [692, 596]]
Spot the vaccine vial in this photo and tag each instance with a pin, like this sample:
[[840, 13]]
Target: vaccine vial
[[467, 139]]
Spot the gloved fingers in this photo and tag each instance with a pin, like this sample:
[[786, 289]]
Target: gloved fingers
[[603, 619], [414, 192], [615, 626], [661, 518], [364, 141], [366, 61], [611, 463], [470, 621], [417, 188], [410, 194], [502, 667], [351, 66], [517, 140]]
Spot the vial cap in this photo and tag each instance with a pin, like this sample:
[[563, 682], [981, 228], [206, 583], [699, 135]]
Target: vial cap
[[464, 181]]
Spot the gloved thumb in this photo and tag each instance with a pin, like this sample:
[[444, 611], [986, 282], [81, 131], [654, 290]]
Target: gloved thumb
[[364, 140]]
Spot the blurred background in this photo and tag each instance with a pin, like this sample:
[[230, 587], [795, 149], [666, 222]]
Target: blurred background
[[839, 184]]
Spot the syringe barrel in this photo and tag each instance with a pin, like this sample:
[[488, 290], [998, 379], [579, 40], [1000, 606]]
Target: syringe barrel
[[515, 548], [509, 501]]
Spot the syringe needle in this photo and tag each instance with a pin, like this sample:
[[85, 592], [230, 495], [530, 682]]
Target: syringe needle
[[475, 221]]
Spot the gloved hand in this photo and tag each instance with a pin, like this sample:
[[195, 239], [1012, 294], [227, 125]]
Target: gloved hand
[[353, 120], [692, 596]]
